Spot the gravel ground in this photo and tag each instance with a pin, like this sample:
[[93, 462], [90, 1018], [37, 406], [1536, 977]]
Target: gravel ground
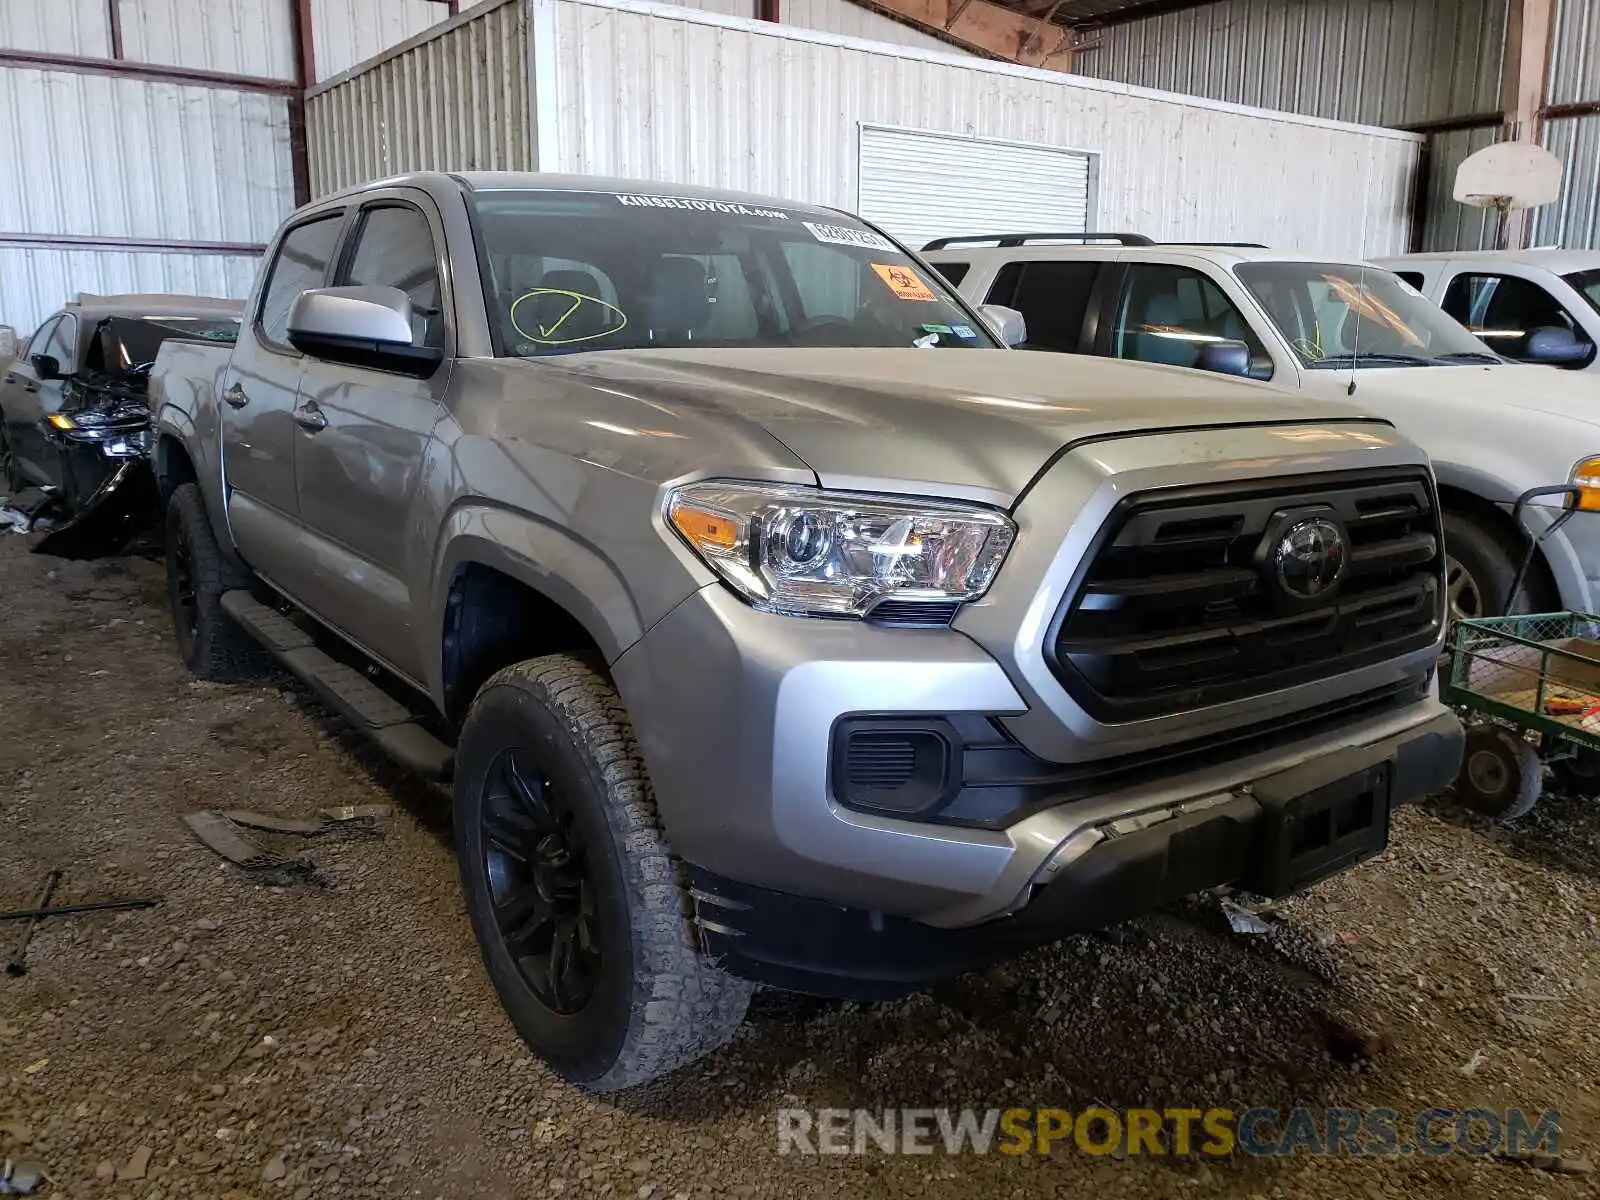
[[245, 1041]]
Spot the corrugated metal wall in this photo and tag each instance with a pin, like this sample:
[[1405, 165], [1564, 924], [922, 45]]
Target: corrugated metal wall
[[453, 99], [237, 37], [1450, 225], [679, 96], [346, 32], [111, 158], [1574, 220], [56, 27], [1384, 62]]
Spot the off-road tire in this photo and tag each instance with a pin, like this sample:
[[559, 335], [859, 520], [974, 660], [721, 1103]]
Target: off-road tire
[[657, 1003], [1501, 772], [212, 647], [1492, 559]]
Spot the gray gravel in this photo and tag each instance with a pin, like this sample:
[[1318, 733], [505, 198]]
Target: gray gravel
[[243, 1041]]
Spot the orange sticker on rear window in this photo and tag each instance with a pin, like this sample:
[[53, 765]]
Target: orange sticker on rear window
[[903, 282]]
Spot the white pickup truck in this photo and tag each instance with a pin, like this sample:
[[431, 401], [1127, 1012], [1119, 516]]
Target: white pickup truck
[[1329, 329]]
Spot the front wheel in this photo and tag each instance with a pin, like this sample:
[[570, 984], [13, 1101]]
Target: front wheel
[[573, 893], [1501, 772], [1579, 772], [1479, 568]]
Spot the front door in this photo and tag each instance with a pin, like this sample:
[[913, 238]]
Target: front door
[[257, 403], [360, 446]]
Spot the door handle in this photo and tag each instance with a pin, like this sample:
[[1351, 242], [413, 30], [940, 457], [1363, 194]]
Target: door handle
[[235, 397], [30, 387], [309, 417]]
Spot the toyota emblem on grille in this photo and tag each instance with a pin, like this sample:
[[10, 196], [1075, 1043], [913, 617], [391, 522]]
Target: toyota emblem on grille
[[1309, 558]]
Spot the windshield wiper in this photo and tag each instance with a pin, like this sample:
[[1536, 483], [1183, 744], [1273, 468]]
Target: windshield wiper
[[1341, 361], [1468, 356]]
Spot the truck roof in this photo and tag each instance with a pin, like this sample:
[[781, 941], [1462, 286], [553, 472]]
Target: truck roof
[[1551, 258], [484, 181]]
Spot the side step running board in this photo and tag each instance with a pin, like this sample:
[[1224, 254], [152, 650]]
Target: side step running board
[[369, 708]]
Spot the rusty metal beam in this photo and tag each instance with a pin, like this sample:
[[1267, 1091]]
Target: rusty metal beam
[[150, 71], [989, 29], [305, 71], [114, 26], [1137, 12], [1522, 87], [78, 241]]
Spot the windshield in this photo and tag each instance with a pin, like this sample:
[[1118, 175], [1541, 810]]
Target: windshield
[[128, 345], [1338, 315], [1587, 285], [569, 271]]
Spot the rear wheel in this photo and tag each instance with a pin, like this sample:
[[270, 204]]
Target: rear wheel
[[573, 893], [1501, 773], [199, 571], [10, 480]]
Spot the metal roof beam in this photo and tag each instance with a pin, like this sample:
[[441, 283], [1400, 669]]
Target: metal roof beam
[[989, 29]]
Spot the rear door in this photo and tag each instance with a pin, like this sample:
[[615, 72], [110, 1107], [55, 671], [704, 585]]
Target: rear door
[[361, 439], [258, 400]]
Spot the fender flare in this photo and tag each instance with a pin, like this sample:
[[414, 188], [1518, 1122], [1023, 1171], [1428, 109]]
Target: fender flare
[[561, 568]]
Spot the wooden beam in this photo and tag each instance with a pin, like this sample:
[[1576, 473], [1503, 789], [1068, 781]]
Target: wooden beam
[[990, 29], [1522, 87]]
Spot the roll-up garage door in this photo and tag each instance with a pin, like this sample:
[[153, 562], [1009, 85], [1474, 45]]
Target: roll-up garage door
[[920, 185]]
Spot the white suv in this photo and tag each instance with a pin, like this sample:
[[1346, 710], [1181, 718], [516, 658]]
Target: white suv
[[1544, 301], [1494, 429]]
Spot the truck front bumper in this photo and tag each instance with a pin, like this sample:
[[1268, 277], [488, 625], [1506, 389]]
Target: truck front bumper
[[736, 712]]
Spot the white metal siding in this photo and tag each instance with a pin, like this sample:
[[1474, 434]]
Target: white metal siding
[[35, 282], [919, 186], [237, 37], [1575, 53], [730, 8], [56, 27], [347, 32], [454, 100], [113, 157], [1381, 61], [675, 95]]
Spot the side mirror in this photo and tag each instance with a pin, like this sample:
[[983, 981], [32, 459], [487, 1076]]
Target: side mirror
[[46, 366], [1007, 323], [1555, 345], [360, 326], [1225, 358]]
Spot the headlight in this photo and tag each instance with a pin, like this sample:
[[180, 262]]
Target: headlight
[[1587, 476], [805, 552]]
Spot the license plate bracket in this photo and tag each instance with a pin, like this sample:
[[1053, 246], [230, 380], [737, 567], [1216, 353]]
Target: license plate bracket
[[1311, 835]]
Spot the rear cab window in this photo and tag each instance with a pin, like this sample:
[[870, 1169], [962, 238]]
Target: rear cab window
[[300, 264], [955, 272]]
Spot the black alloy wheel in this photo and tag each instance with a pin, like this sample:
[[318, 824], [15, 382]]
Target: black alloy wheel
[[540, 883]]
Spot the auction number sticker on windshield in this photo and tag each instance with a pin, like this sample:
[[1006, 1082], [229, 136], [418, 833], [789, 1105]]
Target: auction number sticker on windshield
[[843, 235], [903, 282]]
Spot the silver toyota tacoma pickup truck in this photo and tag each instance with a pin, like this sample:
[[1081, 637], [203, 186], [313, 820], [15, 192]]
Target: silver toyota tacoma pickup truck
[[775, 623]]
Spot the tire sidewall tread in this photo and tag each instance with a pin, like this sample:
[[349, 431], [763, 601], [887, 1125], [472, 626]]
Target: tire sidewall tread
[[673, 1006]]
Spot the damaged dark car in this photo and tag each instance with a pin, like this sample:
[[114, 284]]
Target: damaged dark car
[[75, 420]]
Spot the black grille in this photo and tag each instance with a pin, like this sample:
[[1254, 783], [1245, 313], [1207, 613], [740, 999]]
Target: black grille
[[1179, 606], [881, 760], [916, 613]]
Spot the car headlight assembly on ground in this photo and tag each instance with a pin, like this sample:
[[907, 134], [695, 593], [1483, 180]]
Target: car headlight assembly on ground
[[805, 552]]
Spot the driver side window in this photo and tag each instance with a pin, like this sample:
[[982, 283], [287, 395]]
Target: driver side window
[[63, 343]]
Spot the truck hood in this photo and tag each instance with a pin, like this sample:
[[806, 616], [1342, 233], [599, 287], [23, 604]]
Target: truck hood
[[1527, 388], [971, 423]]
